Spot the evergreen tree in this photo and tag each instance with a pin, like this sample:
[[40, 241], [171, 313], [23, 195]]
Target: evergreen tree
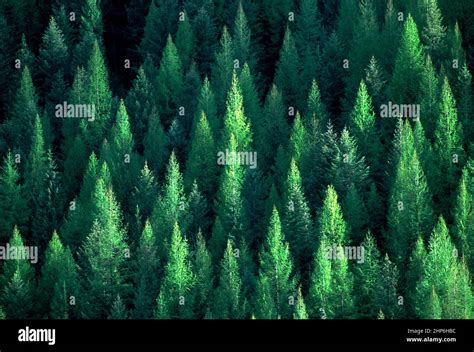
[[18, 283], [366, 276], [410, 211], [146, 275], [185, 40], [59, 273], [448, 147], [228, 299], [53, 54], [363, 126], [103, 254], [154, 144], [385, 295], [277, 267], [309, 36], [429, 97], [241, 38], [235, 119], [300, 309], [202, 264], [139, 103], [177, 288], [223, 69], [207, 104], [161, 20], [330, 290], [170, 207], [201, 164], [405, 83], [451, 284], [433, 33], [463, 229], [315, 107], [297, 223], [23, 112], [273, 130], [169, 83], [287, 76], [12, 204]]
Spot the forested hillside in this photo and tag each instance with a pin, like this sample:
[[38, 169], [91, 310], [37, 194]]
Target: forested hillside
[[236, 159]]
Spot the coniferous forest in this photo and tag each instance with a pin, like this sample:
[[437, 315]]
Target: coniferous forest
[[236, 159]]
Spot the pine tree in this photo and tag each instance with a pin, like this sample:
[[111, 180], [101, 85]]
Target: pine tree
[[223, 69], [463, 229], [465, 104], [139, 103], [122, 160], [434, 33], [146, 275], [24, 110], [98, 93], [169, 83], [53, 54], [300, 309], [273, 130], [207, 104], [177, 288], [297, 223], [414, 274], [154, 144], [363, 126], [170, 207], [429, 97], [242, 38], [287, 76], [347, 167], [309, 36], [103, 254], [185, 41], [144, 192], [235, 119], [315, 107], [452, 283], [161, 20], [405, 83], [18, 283], [202, 265], [276, 265], [410, 211], [197, 216], [376, 83], [385, 293], [59, 271], [331, 282], [250, 96], [201, 164], [366, 276], [448, 147], [228, 299], [331, 223], [228, 203], [12, 204], [118, 310]]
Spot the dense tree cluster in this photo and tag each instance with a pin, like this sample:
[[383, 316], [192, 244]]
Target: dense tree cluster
[[216, 159]]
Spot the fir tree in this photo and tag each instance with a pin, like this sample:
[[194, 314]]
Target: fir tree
[[276, 265], [12, 204], [228, 299]]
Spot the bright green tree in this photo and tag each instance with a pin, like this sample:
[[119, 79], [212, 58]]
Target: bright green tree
[[177, 288], [277, 267]]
